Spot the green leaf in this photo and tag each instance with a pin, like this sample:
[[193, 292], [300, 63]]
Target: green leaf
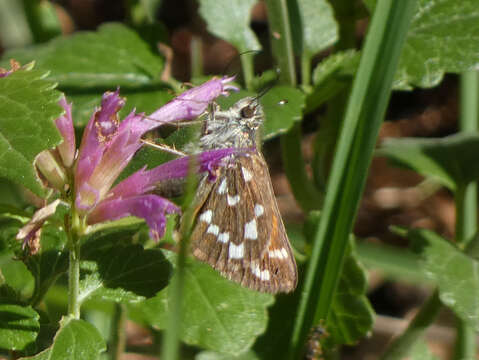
[[19, 326], [450, 160], [229, 20], [8, 231], [16, 282], [443, 37], [420, 351], [123, 273], [211, 355], [454, 272], [76, 340], [218, 314], [280, 116], [27, 113], [282, 105], [351, 316], [319, 27], [50, 262], [112, 56], [11, 195], [274, 343], [331, 76]]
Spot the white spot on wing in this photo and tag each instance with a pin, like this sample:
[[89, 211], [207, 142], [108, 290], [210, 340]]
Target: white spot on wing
[[233, 200], [250, 230], [222, 187], [262, 275], [246, 174], [236, 251], [258, 210], [206, 216], [278, 254], [213, 229], [256, 270], [224, 237]]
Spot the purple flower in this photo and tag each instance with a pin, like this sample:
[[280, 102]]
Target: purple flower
[[64, 123], [107, 147], [193, 102]]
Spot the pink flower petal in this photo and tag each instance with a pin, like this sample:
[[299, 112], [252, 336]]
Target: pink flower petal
[[146, 180], [64, 124], [107, 147], [192, 103], [97, 135], [151, 208], [87, 197]]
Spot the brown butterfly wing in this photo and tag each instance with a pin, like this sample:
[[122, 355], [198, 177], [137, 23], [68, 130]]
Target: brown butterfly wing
[[238, 229]]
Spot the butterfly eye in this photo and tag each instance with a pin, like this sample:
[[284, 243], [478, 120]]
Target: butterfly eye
[[247, 112]]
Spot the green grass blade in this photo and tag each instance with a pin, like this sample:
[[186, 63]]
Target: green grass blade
[[364, 115]]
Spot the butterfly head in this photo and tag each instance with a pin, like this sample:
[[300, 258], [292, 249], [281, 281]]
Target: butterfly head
[[236, 127]]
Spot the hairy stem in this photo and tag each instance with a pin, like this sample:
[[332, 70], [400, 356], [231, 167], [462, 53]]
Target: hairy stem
[[73, 229]]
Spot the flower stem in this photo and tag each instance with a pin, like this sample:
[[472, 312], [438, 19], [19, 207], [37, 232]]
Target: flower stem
[[73, 266], [307, 196], [282, 45], [171, 344], [303, 189], [196, 57], [248, 69], [466, 204], [305, 70]]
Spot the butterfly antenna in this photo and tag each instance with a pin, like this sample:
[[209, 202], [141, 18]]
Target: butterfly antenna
[[228, 65], [269, 86]]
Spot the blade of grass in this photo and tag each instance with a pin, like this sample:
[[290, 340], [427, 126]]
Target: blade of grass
[[364, 115]]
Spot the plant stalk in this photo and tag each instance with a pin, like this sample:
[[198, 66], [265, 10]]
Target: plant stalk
[[294, 166], [466, 203], [118, 334], [171, 344], [73, 266], [247, 64]]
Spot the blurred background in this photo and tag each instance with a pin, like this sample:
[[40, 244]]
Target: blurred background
[[393, 196]]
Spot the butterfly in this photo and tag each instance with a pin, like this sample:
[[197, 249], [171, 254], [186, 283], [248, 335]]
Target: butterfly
[[238, 228]]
